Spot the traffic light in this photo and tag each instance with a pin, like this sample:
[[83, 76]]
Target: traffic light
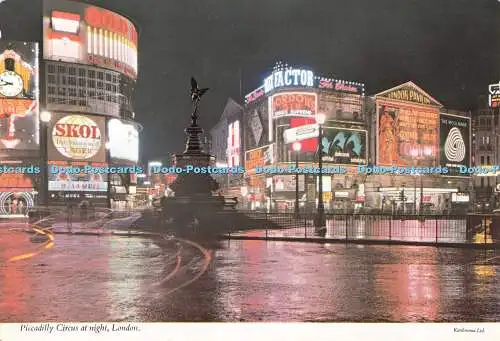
[[402, 195]]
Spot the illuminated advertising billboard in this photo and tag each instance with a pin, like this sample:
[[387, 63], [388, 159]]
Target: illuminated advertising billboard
[[344, 146], [494, 95], [341, 106], [293, 104], [77, 137], [61, 181], [407, 135], [123, 140], [455, 142], [233, 144], [259, 157], [80, 33], [288, 78], [303, 130], [340, 85], [19, 127]]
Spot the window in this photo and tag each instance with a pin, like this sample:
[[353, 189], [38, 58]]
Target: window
[[482, 182], [482, 160], [77, 85], [488, 160]]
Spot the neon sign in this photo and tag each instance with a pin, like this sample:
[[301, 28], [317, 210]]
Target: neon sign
[[494, 95], [290, 77]]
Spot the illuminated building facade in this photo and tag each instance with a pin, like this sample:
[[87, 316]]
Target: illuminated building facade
[[90, 69], [20, 178], [226, 145], [403, 126], [486, 141], [283, 111], [411, 129], [80, 89]]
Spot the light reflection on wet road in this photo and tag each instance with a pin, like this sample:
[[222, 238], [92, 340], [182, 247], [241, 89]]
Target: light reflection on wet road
[[89, 278]]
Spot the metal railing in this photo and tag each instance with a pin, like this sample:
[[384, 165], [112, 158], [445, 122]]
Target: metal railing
[[435, 229]]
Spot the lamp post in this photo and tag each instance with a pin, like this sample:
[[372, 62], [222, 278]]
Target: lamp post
[[296, 148], [45, 118], [320, 219], [421, 195], [415, 196]]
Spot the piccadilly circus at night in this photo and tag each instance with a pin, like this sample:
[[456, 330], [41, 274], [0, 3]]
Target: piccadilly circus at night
[[280, 125], [68, 102]]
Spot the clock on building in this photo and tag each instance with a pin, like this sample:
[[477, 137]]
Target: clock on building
[[11, 83]]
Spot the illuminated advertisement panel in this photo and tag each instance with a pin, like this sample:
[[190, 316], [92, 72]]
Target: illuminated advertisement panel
[[17, 193], [494, 95], [80, 33], [407, 135], [259, 157], [233, 144], [341, 106], [61, 181], [77, 137], [344, 146], [303, 130], [455, 142], [293, 104], [288, 78], [123, 140], [19, 127]]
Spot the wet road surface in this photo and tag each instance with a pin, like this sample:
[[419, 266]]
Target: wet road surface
[[91, 278]]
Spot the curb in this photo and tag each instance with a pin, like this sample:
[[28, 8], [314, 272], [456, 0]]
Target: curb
[[104, 233], [364, 242]]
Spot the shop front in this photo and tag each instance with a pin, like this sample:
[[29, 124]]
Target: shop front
[[256, 195], [409, 200]]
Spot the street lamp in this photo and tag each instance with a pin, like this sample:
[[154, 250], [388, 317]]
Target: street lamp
[[320, 219], [296, 148], [45, 116]]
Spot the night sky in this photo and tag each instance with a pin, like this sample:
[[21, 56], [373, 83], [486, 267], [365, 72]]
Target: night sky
[[450, 48]]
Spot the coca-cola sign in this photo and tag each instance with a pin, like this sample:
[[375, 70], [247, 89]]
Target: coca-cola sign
[[78, 137]]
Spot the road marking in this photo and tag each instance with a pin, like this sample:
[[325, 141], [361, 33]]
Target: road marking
[[47, 245], [208, 258]]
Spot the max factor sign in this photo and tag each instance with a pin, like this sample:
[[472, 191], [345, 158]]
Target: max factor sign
[[290, 77]]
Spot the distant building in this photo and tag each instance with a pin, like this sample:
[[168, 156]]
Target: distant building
[[225, 145], [486, 147]]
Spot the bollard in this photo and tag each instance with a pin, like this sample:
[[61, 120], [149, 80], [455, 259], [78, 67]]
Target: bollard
[[436, 220], [305, 227], [390, 228], [485, 228], [346, 228]]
